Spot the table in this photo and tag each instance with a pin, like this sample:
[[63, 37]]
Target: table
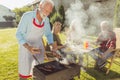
[[79, 51]]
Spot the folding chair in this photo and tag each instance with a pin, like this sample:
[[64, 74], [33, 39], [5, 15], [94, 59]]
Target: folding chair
[[116, 51]]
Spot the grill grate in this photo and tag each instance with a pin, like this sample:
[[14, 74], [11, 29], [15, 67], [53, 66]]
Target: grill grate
[[55, 67], [55, 71]]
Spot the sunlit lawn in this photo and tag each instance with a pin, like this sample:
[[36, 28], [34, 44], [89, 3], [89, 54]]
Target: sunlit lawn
[[8, 55], [9, 61]]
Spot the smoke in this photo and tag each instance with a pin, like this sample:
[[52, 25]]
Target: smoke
[[94, 13], [84, 21], [76, 18], [99, 12]]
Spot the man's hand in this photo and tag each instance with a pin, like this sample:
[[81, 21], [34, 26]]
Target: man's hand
[[32, 49], [64, 46], [35, 50], [54, 50], [56, 54]]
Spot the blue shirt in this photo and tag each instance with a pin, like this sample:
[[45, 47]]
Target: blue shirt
[[26, 24]]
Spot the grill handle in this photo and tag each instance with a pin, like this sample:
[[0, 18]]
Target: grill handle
[[36, 59]]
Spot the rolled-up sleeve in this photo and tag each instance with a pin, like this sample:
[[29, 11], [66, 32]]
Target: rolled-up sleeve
[[48, 32], [21, 31]]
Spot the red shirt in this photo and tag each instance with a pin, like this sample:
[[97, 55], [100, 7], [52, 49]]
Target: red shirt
[[107, 40]]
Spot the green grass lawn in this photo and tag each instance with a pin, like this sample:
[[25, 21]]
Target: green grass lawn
[[8, 55], [9, 61]]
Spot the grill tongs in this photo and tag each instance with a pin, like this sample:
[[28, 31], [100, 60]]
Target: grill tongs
[[56, 54], [49, 68]]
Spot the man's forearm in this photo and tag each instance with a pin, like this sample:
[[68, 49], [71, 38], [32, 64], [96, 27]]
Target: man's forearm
[[53, 46], [26, 45], [108, 51], [31, 49]]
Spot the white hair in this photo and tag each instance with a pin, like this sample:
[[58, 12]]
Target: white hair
[[105, 25], [49, 1]]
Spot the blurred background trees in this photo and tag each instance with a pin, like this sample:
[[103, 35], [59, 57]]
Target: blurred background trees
[[19, 12]]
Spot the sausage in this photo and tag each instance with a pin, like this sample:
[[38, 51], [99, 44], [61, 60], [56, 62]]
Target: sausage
[[49, 66], [45, 69]]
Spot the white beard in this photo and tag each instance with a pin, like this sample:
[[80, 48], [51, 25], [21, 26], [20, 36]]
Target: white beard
[[41, 14]]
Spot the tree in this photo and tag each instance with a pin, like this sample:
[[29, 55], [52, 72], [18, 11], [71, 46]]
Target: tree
[[61, 11], [19, 12], [53, 13]]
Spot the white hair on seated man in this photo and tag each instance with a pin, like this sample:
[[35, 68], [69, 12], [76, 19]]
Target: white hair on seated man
[[105, 26]]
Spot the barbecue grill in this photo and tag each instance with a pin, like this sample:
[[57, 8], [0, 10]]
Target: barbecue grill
[[55, 71]]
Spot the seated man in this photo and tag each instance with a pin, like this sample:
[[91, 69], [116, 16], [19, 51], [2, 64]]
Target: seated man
[[106, 41]]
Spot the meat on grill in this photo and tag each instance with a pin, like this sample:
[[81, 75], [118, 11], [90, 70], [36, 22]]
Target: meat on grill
[[45, 69], [48, 68]]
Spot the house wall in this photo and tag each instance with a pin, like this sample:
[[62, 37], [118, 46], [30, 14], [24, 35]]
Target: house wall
[[7, 24], [4, 11]]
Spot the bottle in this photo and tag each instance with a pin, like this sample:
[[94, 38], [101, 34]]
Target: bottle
[[85, 44]]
